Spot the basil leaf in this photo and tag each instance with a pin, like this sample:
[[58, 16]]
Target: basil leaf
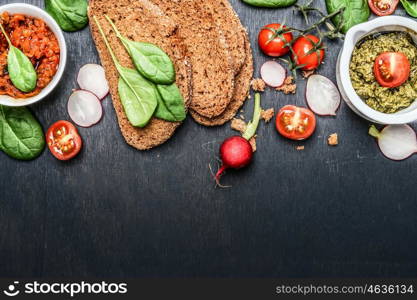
[[170, 103], [151, 61], [356, 12], [21, 135], [270, 3], [138, 96], [410, 7], [21, 71], [71, 15]]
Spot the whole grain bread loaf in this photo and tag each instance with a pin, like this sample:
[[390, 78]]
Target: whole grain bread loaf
[[241, 92], [213, 75], [140, 20]]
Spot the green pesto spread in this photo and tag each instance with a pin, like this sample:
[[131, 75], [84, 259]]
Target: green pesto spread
[[386, 100]]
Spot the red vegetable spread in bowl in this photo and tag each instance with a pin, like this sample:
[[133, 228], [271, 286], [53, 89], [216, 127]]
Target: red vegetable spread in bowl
[[38, 43]]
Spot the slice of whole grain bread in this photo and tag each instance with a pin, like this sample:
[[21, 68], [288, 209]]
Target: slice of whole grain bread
[[213, 75], [140, 20], [241, 91], [228, 20]]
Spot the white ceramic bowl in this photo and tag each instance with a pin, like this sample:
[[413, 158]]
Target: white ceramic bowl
[[353, 36], [36, 12]]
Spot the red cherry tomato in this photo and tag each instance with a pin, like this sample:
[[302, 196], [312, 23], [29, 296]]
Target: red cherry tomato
[[392, 69], [63, 140], [383, 7], [272, 39], [296, 123], [305, 55]]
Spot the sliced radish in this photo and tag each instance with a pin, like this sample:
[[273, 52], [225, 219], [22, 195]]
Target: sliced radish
[[322, 95], [397, 142], [84, 108], [91, 77], [273, 74]]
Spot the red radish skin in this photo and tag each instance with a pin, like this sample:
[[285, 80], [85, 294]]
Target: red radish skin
[[235, 153], [273, 74]]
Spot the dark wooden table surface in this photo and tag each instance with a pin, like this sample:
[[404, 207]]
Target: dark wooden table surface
[[117, 212]]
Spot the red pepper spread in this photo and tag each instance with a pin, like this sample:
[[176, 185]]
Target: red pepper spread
[[37, 42]]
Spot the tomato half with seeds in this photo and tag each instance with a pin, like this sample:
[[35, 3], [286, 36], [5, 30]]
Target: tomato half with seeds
[[272, 40], [392, 69], [296, 123], [63, 140], [309, 52], [383, 7]]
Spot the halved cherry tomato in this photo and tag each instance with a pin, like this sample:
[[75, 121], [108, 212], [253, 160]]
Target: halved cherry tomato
[[305, 55], [392, 69], [383, 7], [272, 39], [296, 123], [63, 140]]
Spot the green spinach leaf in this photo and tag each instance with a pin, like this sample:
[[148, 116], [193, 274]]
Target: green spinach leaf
[[355, 12], [151, 61], [138, 96], [170, 103], [21, 135], [270, 3], [71, 15], [21, 71], [410, 7]]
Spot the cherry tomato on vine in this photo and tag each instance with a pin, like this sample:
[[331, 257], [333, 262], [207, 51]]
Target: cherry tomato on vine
[[273, 38], [383, 7], [392, 69], [308, 52], [295, 123], [63, 140]]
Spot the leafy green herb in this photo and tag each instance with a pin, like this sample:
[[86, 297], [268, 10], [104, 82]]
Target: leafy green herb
[[253, 125], [410, 7], [355, 12], [21, 135], [138, 96], [270, 3], [71, 15], [170, 103], [151, 61], [21, 71]]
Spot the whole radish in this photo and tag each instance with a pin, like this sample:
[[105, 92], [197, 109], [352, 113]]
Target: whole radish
[[236, 151]]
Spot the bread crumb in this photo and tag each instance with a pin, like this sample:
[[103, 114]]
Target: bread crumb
[[267, 115], [252, 142], [333, 140], [238, 125], [300, 148], [258, 85], [308, 73], [288, 87]]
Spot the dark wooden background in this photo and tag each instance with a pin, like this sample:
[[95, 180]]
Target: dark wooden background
[[117, 212]]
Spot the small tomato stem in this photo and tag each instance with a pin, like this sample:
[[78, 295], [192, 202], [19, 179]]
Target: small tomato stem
[[253, 125]]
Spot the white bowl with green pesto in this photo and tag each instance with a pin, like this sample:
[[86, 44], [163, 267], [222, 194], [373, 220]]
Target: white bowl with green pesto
[[372, 101], [34, 11]]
